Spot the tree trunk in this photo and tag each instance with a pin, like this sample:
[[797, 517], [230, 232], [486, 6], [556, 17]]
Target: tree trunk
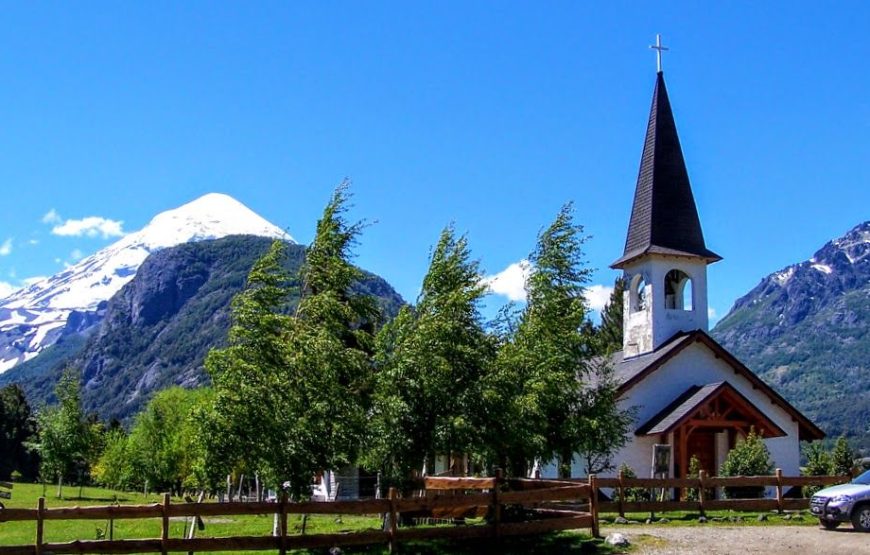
[[59, 486]]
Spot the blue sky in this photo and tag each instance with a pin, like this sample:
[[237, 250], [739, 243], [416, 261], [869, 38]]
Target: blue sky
[[490, 115]]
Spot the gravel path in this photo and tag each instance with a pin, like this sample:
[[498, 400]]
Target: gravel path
[[730, 540]]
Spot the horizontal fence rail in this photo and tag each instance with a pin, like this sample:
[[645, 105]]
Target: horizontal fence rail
[[703, 484], [441, 494]]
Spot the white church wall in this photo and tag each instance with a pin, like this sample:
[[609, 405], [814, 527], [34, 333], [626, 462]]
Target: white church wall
[[695, 365]]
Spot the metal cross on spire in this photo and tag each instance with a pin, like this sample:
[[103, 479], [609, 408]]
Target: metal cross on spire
[[658, 48]]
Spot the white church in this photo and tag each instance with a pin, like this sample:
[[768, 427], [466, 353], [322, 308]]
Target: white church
[[689, 393]]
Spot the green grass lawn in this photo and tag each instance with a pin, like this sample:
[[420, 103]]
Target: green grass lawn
[[27, 495]]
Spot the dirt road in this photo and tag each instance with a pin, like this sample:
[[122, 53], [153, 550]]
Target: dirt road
[[732, 540]]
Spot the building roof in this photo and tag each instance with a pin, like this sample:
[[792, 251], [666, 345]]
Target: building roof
[[628, 372], [664, 219], [693, 399]]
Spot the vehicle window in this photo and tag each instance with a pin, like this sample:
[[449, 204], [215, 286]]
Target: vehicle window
[[863, 479]]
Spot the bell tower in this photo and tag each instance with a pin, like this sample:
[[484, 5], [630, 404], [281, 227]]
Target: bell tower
[[665, 259]]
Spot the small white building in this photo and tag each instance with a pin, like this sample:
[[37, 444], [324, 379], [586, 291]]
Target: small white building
[[688, 391]]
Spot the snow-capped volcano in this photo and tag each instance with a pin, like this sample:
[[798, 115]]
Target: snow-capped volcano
[[32, 318]]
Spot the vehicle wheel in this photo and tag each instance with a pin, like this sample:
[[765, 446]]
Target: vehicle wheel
[[828, 524], [861, 518]]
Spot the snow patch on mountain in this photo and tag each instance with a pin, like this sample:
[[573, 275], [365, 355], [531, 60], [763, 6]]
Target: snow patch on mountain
[[32, 318]]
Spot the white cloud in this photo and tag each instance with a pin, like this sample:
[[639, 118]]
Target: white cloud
[[51, 217], [92, 226], [33, 241], [76, 254], [510, 282], [6, 247], [598, 296]]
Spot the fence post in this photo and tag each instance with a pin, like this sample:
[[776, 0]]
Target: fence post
[[496, 505], [394, 521], [164, 535], [282, 526], [702, 496], [593, 504], [40, 516], [779, 503], [621, 508]]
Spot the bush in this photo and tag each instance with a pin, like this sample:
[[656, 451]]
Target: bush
[[749, 458], [15, 476], [818, 464], [633, 494]]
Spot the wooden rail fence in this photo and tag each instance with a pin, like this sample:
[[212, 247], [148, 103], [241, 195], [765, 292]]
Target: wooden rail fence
[[703, 483], [442, 493]]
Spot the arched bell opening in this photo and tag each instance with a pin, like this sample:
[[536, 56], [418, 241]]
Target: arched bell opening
[[678, 291]]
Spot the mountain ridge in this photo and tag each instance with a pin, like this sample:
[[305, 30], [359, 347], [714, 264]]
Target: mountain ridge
[[805, 330], [35, 316]]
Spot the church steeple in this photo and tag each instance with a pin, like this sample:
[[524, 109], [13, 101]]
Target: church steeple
[[665, 258], [664, 219]]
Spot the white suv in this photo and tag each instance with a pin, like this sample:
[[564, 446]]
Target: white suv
[[843, 503]]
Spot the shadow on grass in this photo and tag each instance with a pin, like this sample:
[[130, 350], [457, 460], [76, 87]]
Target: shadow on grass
[[556, 544]]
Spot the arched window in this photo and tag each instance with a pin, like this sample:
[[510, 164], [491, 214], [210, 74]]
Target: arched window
[[637, 298], [678, 290]]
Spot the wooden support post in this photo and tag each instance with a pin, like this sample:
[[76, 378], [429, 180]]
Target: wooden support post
[[702, 479], [195, 521], [164, 536], [593, 504], [283, 523], [40, 522], [496, 505], [394, 521], [779, 503], [621, 507]]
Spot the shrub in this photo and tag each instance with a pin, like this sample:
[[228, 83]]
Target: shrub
[[842, 458], [633, 494], [749, 457], [818, 464]]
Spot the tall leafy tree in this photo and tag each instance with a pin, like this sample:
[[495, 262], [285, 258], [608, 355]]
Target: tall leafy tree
[[545, 379], [609, 332], [430, 363], [68, 442], [291, 391], [17, 429]]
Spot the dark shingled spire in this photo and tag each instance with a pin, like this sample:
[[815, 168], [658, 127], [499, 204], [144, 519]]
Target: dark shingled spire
[[664, 219]]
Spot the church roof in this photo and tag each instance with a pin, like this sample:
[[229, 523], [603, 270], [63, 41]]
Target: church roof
[[664, 219], [693, 399], [628, 372]]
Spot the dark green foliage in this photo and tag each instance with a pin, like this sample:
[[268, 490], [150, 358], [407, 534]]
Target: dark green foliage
[[608, 335], [291, 392], [17, 428], [430, 362], [843, 457], [553, 400], [749, 457], [818, 464]]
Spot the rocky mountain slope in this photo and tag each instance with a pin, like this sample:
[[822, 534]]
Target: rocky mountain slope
[[34, 318], [806, 331], [158, 328]]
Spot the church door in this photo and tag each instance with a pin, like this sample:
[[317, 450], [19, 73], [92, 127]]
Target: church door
[[703, 446]]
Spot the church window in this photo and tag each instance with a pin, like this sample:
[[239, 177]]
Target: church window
[[637, 298], [678, 290]]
